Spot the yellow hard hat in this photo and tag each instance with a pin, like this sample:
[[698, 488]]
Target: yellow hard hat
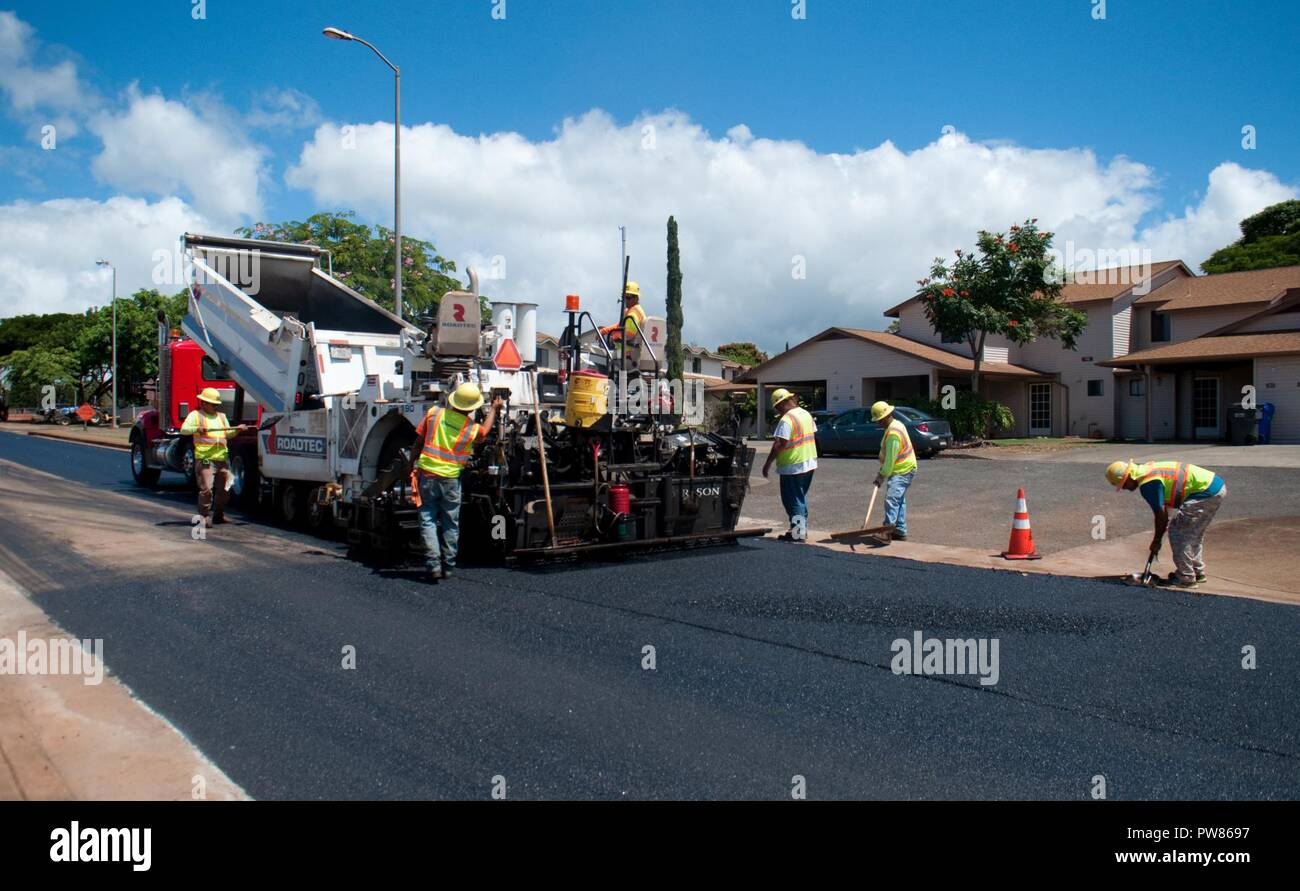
[[1118, 473], [210, 395], [466, 398], [781, 395], [632, 290], [881, 409]]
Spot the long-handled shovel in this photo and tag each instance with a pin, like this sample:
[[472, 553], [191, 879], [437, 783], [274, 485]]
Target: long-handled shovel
[[1145, 578], [865, 530]]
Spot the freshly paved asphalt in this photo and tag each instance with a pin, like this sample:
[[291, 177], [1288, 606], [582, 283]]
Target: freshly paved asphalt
[[772, 661]]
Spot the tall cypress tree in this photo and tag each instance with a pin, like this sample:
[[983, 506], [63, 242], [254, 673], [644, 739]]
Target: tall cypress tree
[[674, 301]]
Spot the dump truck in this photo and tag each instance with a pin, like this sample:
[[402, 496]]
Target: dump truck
[[581, 461]]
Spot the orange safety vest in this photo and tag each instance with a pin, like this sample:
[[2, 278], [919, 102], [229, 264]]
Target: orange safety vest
[[1177, 479], [631, 330], [211, 446], [447, 447], [903, 461], [802, 444]]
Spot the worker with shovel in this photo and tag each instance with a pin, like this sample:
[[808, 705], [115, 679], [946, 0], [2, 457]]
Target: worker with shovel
[[794, 449], [209, 430], [1185, 499], [897, 468], [445, 442]]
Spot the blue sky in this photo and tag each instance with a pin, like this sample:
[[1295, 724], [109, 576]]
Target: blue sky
[[1167, 84]]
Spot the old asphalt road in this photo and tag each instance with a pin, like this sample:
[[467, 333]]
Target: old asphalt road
[[773, 660]]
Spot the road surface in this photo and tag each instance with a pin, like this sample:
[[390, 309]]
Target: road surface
[[772, 661]]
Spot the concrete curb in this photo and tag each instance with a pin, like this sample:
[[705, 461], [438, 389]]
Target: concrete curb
[[121, 447]]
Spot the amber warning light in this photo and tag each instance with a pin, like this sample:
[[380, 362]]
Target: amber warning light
[[571, 303]]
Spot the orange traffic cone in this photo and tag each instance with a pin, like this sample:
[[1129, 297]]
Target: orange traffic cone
[[1021, 546]]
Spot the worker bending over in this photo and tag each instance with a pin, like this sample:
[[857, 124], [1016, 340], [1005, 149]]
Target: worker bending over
[[897, 468], [628, 327], [794, 449], [1193, 495], [445, 442], [209, 429]]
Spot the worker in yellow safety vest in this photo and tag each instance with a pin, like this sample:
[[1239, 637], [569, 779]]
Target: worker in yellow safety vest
[[444, 444], [1184, 499], [794, 451], [897, 468], [629, 327], [209, 430]]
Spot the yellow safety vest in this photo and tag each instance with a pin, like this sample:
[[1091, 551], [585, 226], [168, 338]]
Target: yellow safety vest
[[1179, 480], [905, 460], [802, 444], [448, 442], [210, 446], [630, 329]]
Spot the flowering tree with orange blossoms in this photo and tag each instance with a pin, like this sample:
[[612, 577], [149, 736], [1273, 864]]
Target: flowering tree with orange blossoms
[[1006, 287]]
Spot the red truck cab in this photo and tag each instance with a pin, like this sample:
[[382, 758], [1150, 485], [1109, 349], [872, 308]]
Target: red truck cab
[[184, 371]]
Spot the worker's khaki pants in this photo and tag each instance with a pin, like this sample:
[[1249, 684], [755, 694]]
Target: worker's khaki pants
[[1187, 534], [213, 476]]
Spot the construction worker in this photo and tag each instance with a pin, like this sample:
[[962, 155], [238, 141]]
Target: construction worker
[[1193, 495], [629, 327], [897, 468], [210, 430], [794, 449], [444, 443]]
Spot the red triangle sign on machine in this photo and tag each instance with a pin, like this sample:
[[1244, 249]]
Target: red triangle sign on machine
[[508, 356]]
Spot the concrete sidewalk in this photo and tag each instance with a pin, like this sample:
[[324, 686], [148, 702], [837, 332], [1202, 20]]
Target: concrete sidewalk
[[63, 739], [1236, 567], [97, 436]]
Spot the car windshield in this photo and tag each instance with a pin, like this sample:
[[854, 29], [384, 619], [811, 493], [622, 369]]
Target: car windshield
[[915, 414]]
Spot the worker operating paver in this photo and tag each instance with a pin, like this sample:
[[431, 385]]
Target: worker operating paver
[[209, 429], [445, 442], [897, 468], [794, 450], [1193, 495]]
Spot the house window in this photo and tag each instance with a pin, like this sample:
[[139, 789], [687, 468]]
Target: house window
[[1094, 388], [695, 365], [543, 360], [1137, 386], [1160, 327]]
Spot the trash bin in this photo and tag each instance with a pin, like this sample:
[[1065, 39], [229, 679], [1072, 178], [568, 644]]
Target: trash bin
[[1242, 423], [1266, 422]]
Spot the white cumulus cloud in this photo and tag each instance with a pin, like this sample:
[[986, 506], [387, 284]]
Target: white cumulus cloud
[[48, 250], [864, 225]]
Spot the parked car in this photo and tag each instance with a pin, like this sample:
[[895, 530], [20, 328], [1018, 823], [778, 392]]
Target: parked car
[[853, 432]]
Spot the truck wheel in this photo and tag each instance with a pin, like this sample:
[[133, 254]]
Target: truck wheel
[[289, 503], [190, 467], [319, 519], [141, 472], [245, 487]]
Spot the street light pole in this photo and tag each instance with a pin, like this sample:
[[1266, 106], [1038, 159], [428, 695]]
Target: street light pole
[[114, 370], [339, 34]]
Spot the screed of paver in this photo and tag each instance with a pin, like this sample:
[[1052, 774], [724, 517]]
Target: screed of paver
[[63, 738]]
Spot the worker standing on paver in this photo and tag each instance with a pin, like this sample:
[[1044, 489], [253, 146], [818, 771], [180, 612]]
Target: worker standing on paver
[[897, 468], [1192, 494], [209, 430], [629, 327], [445, 442], [794, 449]]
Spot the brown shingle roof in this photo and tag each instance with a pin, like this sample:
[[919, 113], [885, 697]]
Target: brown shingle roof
[[1222, 348], [1100, 284], [896, 342], [1224, 289]]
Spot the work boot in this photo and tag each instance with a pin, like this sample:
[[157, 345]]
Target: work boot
[[218, 518], [207, 522], [447, 570], [432, 575], [1176, 581], [1201, 576], [898, 536]]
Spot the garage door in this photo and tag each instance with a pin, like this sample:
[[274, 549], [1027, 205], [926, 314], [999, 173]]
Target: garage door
[[1278, 379]]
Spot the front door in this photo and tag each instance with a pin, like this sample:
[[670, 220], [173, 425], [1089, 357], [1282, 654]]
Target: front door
[[1040, 409], [1206, 418]]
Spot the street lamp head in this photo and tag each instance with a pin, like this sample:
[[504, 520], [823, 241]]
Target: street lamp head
[[103, 263], [337, 34]]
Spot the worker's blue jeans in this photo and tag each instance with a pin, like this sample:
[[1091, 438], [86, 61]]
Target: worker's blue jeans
[[439, 506], [794, 497], [896, 501]]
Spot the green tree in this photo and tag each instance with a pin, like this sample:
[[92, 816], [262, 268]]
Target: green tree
[[137, 342], [743, 352], [29, 370], [362, 258], [674, 304], [1269, 239], [1008, 288], [49, 329]]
